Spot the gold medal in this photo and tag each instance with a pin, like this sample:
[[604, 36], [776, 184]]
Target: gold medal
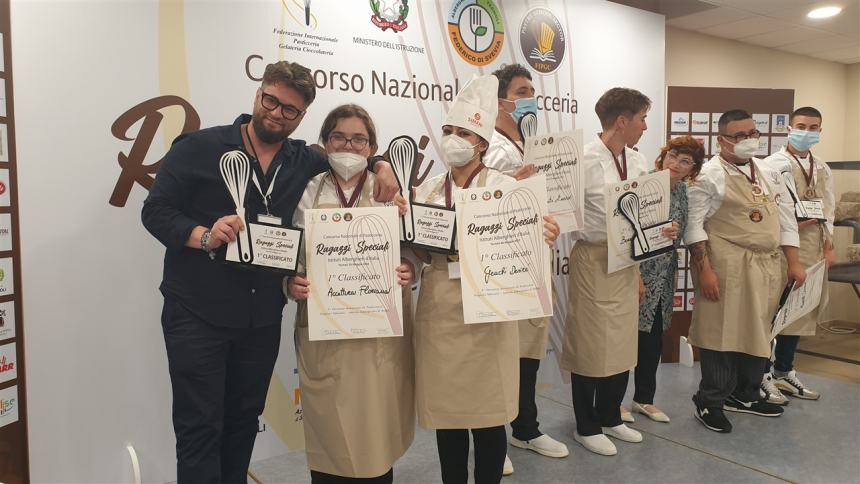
[[454, 258], [756, 215], [810, 192], [757, 191]]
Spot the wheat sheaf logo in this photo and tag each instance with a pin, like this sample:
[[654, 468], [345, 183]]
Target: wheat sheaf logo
[[542, 40]]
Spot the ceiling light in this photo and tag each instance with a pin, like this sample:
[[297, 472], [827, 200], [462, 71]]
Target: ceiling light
[[824, 12]]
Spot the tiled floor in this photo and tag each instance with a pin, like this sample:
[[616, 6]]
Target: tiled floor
[[815, 441]]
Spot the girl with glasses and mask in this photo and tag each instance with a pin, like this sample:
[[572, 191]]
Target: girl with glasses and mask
[[682, 157], [357, 394], [467, 375]]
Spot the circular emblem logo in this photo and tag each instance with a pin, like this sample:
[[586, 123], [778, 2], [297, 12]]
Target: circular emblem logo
[[542, 40], [476, 30], [2, 188], [335, 217], [486, 196], [477, 116], [497, 194], [756, 215], [389, 14]]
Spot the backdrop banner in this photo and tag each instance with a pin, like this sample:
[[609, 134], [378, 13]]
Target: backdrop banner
[[103, 88]]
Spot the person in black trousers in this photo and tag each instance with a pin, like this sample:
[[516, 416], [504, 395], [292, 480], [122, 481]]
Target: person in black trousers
[[221, 323]]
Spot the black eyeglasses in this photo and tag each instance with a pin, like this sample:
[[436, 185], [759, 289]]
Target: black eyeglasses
[[271, 103], [339, 141], [754, 134]]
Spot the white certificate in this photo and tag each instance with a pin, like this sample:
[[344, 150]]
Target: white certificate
[[637, 210], [351, 258], [559, 157], [504, 261], [798, 302]]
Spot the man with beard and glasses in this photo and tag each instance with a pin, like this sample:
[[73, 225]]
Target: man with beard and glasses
[[222, 323]]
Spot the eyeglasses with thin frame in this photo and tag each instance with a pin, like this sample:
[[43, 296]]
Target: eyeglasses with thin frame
[[685, 162], [754, 134], [339, 141], [271, 103]]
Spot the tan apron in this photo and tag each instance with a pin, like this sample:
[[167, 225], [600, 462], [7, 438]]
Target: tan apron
[[745, 256], [357, 395], [602, 326], [534, 336], [811, 251], [466, 375]]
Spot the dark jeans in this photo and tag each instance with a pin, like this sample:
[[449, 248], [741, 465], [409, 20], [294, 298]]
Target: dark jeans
[[650, 349], [783, 354], [596, 401], [491, 445], [525, 426], [727, 373], [323, 478], [220, 377]]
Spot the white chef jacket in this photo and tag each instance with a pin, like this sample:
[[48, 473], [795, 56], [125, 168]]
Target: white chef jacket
[[782, 161], [503, 154], [599, 170], [705, 196]]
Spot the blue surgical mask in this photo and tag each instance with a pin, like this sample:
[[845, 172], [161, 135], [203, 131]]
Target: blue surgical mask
[[803, 140], [523, 106]]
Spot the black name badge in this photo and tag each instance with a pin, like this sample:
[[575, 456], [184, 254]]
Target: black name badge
[[435, 228], [650, 242], [267, 245]]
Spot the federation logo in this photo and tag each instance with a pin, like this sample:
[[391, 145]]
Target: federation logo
[[388, 14], [476, 30], [542, 40]]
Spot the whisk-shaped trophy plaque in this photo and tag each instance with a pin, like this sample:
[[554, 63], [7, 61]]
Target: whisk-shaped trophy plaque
[[637, 214], [263, 244]]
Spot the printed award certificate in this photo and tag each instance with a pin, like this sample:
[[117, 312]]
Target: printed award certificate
[[351, 259], [559, 156], [798, 302], [504, 262], [637, 210]]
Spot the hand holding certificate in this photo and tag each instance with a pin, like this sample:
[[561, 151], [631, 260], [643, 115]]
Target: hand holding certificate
[[351, 259], [798, 302], [637, 212], [504, 261], [559, 156]]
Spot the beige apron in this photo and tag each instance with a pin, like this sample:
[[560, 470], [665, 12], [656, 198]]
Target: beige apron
[[745, 256], [602, 326], [811, 251], [534, 336], [357, 395], [466, 375]]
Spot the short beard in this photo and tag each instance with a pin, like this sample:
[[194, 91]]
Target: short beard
[[267, 136]]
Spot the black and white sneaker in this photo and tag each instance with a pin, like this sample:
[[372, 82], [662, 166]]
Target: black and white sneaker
[[758, 407], [712, 418]]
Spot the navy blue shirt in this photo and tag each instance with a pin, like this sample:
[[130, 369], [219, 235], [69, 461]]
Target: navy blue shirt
[[189, 191]]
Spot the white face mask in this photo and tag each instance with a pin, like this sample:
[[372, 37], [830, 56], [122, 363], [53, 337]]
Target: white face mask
[[347, 164], [456, 151], [746, 148]]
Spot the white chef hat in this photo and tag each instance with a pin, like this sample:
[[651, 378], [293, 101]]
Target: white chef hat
[[476, 107]]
